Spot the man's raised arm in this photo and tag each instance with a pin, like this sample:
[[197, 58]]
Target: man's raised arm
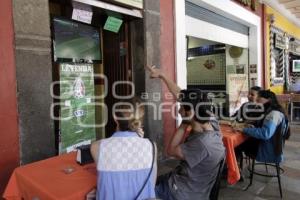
[[172, 86]]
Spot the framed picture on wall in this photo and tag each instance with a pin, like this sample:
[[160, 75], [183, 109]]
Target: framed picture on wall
[[296, 65], [253, 69], [240, 69]]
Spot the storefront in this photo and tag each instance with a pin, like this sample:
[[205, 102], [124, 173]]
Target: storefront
[[30, 64], [282, 46], [122, 58], [92, 58], [222, 44]]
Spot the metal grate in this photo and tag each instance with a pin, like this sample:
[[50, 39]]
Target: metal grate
[[203, 14]]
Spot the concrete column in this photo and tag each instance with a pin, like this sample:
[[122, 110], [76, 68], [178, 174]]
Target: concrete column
[[34, 78], [153, 119]]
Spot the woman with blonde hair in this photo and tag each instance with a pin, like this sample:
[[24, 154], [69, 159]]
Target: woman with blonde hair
[[126, 162]]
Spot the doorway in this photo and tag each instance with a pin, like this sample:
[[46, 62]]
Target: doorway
[[113, 65], [117, 67]]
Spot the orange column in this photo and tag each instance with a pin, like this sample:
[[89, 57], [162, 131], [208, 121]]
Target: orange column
[[9, 142], [167, 49]]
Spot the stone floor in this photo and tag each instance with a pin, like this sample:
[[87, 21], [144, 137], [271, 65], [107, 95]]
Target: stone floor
[[265, 188]]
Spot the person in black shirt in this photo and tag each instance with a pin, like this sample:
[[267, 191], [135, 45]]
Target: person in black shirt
[[250, 112]]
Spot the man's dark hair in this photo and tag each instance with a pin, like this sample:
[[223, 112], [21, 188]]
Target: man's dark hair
[[256, 88], [190, 97], [197, 100]]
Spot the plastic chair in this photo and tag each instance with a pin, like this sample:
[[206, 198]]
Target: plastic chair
[[214, 193]]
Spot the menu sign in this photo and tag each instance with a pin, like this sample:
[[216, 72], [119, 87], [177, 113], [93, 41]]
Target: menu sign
[[133, 3], [237, 90], [249, 3], [82, 13], [77, 111], [113, 24], [280, 41], [294, 47]]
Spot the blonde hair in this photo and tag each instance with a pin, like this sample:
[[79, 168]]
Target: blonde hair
[[129, 114]]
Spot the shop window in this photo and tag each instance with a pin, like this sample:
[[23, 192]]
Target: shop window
[[206, 65]]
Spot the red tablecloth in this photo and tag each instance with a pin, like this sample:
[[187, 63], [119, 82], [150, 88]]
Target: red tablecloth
[[46, 179], [231, 139]]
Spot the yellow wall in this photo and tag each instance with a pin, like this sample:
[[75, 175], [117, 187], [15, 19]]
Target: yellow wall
[[284, 24]]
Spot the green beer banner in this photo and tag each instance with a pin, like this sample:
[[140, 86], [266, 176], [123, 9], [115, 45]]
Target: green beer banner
[[77, 110]]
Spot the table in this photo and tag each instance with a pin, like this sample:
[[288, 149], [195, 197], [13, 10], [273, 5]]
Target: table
[[46, 179], [232, 139]]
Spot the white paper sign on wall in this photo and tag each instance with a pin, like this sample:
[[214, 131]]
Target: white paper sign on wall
[[82, 13]]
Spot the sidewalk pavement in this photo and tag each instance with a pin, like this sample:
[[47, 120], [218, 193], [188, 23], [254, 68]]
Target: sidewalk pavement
[[267, 188]]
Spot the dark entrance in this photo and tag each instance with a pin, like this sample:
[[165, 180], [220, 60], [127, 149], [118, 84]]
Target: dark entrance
[[117, 67], [115, 62]]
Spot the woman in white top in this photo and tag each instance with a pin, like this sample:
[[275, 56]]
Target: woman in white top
[[126, 164]]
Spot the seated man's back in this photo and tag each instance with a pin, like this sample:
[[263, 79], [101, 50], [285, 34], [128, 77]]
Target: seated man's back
[[195, 176]]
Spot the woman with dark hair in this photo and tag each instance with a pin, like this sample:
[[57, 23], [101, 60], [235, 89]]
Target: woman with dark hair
[[126, 162], [249, 111], [271, 132]]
